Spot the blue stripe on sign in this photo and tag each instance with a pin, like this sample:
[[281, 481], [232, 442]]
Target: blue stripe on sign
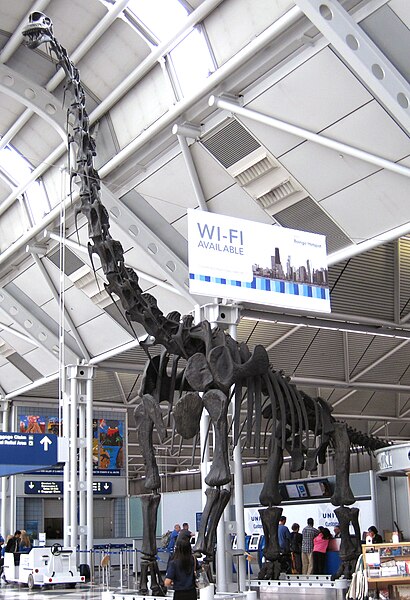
[[265, 284]]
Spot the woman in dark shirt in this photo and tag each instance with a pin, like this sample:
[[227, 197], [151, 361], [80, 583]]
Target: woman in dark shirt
[[181, 571], [375, 535]]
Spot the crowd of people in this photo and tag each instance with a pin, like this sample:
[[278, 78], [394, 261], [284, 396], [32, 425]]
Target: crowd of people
[[19, 543], [305, 553]]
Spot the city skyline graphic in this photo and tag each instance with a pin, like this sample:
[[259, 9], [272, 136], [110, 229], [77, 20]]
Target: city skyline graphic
[[303, 273]]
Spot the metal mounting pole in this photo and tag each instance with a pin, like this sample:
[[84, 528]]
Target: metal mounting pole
[[80, 378], [4, 404], [226, 316]]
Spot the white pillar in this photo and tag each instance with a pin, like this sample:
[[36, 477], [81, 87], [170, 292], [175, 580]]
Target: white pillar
[[66, 472], [71, 370], [12, 482], [4, 480], [82, 492], [81, 446], [238, 491], [89, 461]]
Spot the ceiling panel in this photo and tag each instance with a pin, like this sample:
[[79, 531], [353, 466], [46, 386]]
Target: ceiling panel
[[305, 98], [368, 128], [101, 334], [383, 195], [11, 378]]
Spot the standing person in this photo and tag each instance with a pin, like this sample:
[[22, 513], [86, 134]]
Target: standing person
[[173, 538], [285, 539], [25, 543], [375, 535], [296, 548], [14, 542], [308, 535], [185, 532], [320, 544], [336, 531], [181, 571]]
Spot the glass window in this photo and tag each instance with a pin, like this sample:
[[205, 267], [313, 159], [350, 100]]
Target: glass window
[[19, 170], [191, 58]]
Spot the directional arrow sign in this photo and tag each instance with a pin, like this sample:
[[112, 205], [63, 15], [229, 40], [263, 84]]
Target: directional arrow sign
[[55, 488], [45, 442], [24, 452]]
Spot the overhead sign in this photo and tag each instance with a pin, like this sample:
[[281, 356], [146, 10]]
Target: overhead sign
[[244, 260], [22, 452], [56, 488], [45, 488], [102, 488]]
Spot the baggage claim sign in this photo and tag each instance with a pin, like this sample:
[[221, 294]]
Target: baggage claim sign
[[244, 260]]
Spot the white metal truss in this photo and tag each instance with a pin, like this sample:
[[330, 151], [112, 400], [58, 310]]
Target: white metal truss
[[77, 409], [311, 136], [137, 232], [67, 317], [35, 98], [362, 56], [28, 318]]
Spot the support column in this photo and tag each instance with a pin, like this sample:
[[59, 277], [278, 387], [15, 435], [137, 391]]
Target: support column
[[12, 481], [80, 509], [4, 406], [226, 316]]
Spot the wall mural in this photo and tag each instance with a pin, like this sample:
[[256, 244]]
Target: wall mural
[[108, 439], [215, 364]]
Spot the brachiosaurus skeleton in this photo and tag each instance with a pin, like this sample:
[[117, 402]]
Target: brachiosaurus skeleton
[[215, 364]]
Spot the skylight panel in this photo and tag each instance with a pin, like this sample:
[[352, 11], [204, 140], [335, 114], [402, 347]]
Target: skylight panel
[[37, 201], [191, 58], [192, 61], [163, 17], [19, 170]]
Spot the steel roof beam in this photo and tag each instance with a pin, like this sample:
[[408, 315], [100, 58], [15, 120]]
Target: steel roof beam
[[67, 317], [58, 77], [355, 385], [323, 323], [320, 139], [362, 56], [146, 137], [28, 316], [36, 98], [15, 40], [380, 360]]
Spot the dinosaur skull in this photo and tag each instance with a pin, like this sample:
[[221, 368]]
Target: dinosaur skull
[[38, 30]]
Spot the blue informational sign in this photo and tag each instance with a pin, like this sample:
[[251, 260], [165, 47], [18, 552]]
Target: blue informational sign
[[45, 488], [22, 452], [55, 488]]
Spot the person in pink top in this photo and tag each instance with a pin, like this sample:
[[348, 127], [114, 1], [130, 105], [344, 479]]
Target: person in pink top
[[320, 544]]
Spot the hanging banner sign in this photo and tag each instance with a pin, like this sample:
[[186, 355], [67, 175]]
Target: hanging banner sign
[[55, 488], [244, 260]]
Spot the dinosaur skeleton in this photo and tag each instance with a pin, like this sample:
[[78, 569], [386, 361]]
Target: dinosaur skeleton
[[215, 364]]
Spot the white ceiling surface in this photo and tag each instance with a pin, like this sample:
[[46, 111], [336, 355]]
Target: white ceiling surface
[[290, 73]]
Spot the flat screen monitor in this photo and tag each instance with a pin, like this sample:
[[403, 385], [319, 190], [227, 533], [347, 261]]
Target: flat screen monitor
[[318, 489], [254, 542], [292, 490], [296, 490], [302, 490]]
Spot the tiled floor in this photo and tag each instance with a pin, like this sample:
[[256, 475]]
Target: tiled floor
[[81, 592]]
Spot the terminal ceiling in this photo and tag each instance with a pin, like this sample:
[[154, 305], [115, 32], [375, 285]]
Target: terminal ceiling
[[335, 71]]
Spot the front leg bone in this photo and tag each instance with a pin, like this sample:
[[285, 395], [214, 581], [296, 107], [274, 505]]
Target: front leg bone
[[216, 403]]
